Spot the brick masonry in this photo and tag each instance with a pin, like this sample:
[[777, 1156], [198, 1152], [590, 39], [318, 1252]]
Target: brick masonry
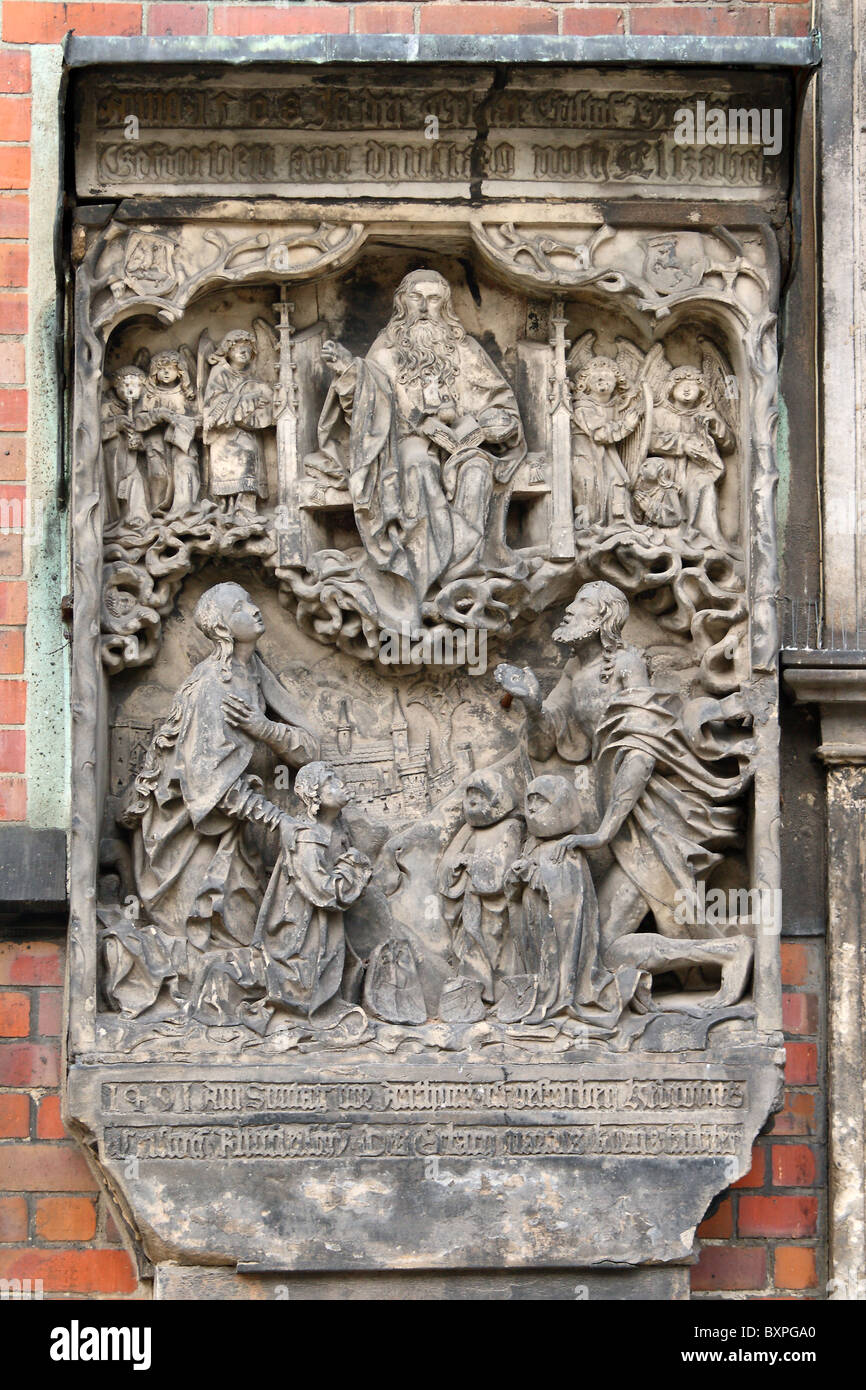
[[55, 1223], [763, 1238]]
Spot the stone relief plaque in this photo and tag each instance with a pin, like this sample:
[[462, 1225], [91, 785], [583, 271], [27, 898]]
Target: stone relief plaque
[[424, 868]]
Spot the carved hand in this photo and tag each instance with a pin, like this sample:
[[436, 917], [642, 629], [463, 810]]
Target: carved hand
[[520, 683], [336, 356], [573, 842], [242, 716]]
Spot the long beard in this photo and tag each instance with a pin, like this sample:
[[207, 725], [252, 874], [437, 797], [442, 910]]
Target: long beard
[[425, 346], [579, 633]]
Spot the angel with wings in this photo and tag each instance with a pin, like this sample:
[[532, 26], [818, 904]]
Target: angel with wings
[[608, 408], [239, 403], [169, 416], [693, 425]]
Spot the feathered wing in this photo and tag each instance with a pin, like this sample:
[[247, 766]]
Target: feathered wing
[[656, 370], [629, 360], [142, 359], [190, 364], [266, 351], [206, 348], [582, 352], [718, 377]]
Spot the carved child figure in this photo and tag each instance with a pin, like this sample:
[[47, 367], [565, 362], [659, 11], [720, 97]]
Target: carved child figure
[[168, 406], [124, 448], [238, 406], [300, 926], [657, 494], [558, 921], [471, 879]]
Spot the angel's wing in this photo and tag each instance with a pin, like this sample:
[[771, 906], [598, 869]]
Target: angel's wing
[[655, 372], [142, 359], [206, 347], [266, 351], [721, 381], [582, 352], [629, 359], [188, 358]]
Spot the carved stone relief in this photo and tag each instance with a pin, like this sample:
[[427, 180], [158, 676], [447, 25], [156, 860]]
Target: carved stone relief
[[431, 719]]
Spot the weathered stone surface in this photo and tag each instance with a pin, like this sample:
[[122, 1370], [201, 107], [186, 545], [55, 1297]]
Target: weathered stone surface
[[188, 1282], [551, 132], [397, 1166], [425, 860]]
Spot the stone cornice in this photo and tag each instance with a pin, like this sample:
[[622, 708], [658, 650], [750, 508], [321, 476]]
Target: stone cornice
[[839, 689]]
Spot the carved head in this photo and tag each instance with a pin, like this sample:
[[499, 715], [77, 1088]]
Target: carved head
[[318, 786], [686, 387], [600, 379], [487, 798], [167, 368], [424, 294], [226, 614], [553, 807], [599, 610], [424, 330], [237, 347], [128, 384]]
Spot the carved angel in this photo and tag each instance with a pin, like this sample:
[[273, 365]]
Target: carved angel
[[693, 425], [239, 402], [608, 407], [125, 448], [169, 414]]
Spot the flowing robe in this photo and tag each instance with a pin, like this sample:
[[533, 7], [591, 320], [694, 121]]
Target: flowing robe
[[600, 481], [692, 437], [558, 938], [237, 406], [686, 812], [194, 873], [471, 880], [300, 925], [369, 436], [127, 487], [172, 418]]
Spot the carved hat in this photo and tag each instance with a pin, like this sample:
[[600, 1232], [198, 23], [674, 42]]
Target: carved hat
[[500, 795], [130, 370], [562, 811]]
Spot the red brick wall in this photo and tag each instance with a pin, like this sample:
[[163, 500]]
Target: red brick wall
[[55, 1224], [764, 1238]]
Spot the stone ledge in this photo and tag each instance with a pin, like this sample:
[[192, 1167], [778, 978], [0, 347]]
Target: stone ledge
[[672, 50], [839, 688], [32, 870]]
